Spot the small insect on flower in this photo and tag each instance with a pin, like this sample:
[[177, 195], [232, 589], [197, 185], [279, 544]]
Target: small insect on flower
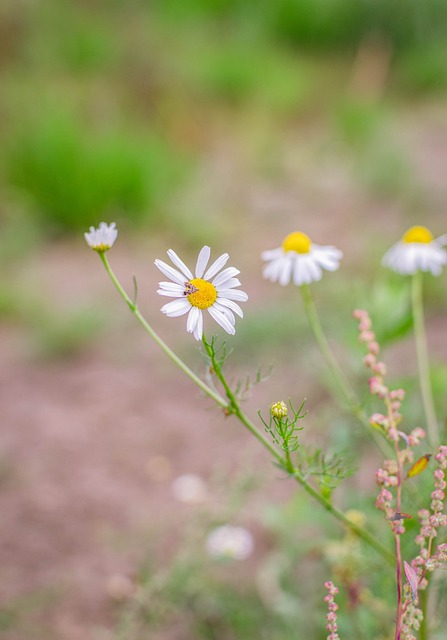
[[398, 515], [412, 578], [300, 260], [419, 465], [417, 251], [206, 289]]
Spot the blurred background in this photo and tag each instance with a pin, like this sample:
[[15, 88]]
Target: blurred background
[[187, 122]]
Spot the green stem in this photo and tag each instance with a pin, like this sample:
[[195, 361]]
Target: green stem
[[289, 464], [337, 513], [422, 356], [423, 604], [399, 612], [335, 369], [232, 405], [146, 326], [286, 463]]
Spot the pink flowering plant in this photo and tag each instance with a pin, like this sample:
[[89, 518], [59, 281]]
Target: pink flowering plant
[[407, 552]]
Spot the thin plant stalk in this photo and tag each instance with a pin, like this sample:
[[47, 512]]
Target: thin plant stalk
[[422, 357], [295, 473], [232, 406], [146, 326], [337, 373], [397, 536]]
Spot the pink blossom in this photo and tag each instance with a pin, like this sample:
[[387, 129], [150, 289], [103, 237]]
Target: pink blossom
[[373, 347], [360, 314], [439, 474], [397, 394], [369, 360], [380, 369]]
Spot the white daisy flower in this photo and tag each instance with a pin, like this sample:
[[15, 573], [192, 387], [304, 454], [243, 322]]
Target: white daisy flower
[[230, 542], [189, 488], [103, 238], [206, 289], [300, 260], [417, 251]]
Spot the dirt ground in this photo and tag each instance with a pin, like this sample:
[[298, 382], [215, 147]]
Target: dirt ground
[[90, 445]]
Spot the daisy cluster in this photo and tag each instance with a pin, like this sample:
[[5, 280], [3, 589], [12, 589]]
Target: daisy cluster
[[298, 260]]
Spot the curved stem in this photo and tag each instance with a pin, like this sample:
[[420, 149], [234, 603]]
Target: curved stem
[[287, 464], [422, 356], [232, 405], [146, 326], [337, 513], [337, 373]]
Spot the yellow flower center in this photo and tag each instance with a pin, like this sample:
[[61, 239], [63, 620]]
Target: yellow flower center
[[298, 242], [200, 293], [418, 234]]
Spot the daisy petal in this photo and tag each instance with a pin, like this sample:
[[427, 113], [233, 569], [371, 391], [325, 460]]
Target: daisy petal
[[272, 254], [226, 274], [272, 270], [232, 282], [193, 319], [222, 320], [176, 308], [285, 271], [231, 305], [170, 272], [226, 311], [171, 289], [216, 266], [180, 264], [232, 294], [202, 261], [168, 294], [198, 331]]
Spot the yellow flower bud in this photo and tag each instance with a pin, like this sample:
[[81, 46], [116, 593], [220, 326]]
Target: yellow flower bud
[[278, 409]]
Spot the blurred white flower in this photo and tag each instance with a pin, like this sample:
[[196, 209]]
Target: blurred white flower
[[230, 542], [189, 488], [197, 292], [300, 260], [417, 251], [103, 238]]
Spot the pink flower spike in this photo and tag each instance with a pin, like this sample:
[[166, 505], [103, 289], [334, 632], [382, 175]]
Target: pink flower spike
[[360, 314], [373, 347]]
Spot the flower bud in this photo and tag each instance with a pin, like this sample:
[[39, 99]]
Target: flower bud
[[279, 409]]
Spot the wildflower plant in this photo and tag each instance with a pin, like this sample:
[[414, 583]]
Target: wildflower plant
[[298, 260]]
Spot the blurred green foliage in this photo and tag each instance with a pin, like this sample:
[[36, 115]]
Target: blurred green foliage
[[106, 106], [321, 23], [75, 177]]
